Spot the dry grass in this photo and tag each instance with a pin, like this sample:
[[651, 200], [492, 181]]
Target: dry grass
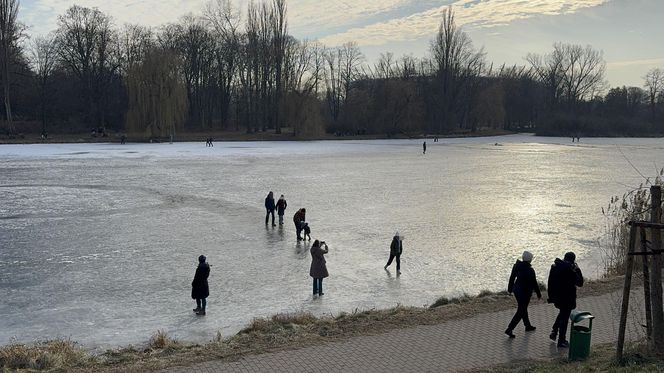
[[279, 332], [48, 355]]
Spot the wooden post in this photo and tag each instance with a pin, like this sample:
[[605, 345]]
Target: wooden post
[[646, 283], [656, 273], [629, 265]]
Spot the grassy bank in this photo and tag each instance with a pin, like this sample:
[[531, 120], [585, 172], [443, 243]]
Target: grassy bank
[[280, 332]]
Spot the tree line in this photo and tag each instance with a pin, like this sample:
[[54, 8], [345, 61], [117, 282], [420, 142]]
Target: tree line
[[226, 70]]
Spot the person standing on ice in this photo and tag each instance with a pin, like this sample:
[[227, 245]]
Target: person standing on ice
[[269, 207], [424, 147], [318, 269], [199, 287], [396, 248], [281, 208]]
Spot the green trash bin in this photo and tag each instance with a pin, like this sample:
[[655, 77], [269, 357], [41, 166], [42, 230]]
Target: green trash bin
[[579, 340]]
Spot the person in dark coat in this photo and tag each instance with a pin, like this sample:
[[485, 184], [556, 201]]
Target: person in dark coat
[[396, 248], [565, 276], [424, 147], [299, 218], [199, 287], [270, 207], [281, 208], [522, 283], [318, 268]]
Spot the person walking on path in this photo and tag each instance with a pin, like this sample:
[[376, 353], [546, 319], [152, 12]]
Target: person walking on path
[[396, 248], [318, 268], [564, 278], [299, 219], [281, 209], [199, 287], [424, 147], [269, 207], [522, 282]]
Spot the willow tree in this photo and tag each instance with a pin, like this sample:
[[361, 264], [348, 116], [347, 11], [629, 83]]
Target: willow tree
[[157, 96]]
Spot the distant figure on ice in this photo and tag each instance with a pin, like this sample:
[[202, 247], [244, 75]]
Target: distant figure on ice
[[564, 278], [396, 248], [208, 142], [522, 282], [424, 147], [318, 269], [199, 287], [123, 139], [269, 207], [281, 208], [298, 219], [307, 231]]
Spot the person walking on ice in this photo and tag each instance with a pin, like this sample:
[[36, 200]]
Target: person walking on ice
[[199, 287], [269, 207], [396, 248], [424, 147], [522, 282], [281, 208], [565, 276]]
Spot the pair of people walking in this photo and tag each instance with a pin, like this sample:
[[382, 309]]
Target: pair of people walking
[[270, 206], [564, 277]]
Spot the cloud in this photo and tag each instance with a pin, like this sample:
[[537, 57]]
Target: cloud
[[640, 62], [471, 13]]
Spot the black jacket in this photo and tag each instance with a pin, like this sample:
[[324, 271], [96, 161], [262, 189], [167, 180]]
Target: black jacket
[[564, 277], [523, 280], [269, 203], [281, 206], [199, 287]]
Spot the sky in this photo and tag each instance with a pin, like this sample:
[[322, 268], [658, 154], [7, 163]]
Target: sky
[[627, 31]]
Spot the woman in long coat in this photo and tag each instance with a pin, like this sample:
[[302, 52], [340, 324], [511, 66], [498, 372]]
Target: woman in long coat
[[318, 268], [199, 287]]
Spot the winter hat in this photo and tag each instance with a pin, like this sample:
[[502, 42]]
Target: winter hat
[[570, 257], [527, 256], [201, 259]]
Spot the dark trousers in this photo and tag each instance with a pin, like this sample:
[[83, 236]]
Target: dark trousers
[[521, 313], [318, 286], [267, 215], [389, 261], [298, 230], [200, 303], [560, 325]]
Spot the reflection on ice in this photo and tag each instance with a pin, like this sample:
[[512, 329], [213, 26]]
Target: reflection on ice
[[100, 241]]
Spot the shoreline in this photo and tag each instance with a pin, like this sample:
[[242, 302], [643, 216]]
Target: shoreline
[[277, 333], [233, 136]]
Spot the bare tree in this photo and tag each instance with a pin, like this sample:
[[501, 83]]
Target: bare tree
[[9, 35], [87, 45], [654, 84], [43, 60], [456, 63], [385, 66], [135, 43]]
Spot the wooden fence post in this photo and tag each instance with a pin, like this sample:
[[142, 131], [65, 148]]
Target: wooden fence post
[[629, 265], [656, 273], [646, 283]]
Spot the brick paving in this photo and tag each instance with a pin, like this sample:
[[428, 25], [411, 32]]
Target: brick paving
[[456, 345]]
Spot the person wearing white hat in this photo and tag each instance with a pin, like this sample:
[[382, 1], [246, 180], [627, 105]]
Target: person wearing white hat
[[396, 248], [522, 282]]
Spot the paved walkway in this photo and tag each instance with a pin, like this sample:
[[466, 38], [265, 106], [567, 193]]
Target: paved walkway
[[456, 345]]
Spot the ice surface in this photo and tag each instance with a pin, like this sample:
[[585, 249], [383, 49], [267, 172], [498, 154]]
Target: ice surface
[[99, 242]]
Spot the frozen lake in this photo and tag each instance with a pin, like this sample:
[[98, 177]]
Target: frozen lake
[[99, 242]]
